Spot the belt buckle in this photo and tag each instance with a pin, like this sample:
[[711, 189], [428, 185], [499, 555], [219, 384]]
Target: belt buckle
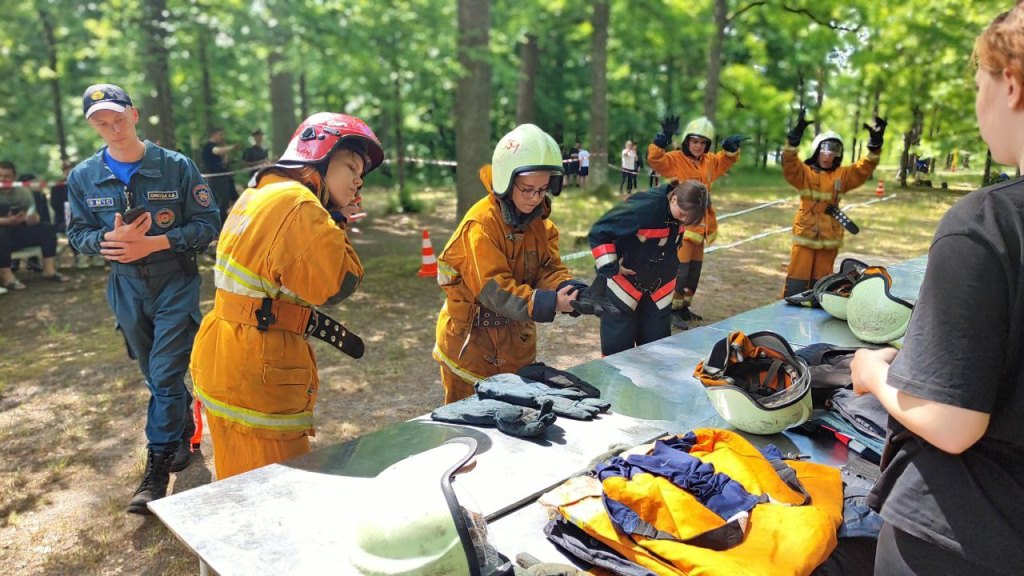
[[312, 323]]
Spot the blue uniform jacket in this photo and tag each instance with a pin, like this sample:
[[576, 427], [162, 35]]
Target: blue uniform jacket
[[167, 184]]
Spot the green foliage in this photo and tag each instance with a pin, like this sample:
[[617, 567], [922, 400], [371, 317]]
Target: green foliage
[[395, 66]]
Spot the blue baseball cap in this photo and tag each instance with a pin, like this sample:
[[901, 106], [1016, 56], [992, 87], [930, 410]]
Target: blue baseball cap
[[104, 97]]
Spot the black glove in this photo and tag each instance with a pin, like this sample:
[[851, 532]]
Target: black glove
[[669, 126], [877, 133], [594, 301], [555, 378], [797, 133], [733, 143], [510, 419], [579, 288]]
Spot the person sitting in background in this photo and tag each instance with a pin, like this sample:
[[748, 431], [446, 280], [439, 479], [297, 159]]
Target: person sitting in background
[[21, 227]]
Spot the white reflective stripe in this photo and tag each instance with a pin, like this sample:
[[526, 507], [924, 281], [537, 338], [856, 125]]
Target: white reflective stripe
[[446, 275], [665, 301], [464, 374], [429, 259], [234, 275], [623, 296], [607, 259], [252, 418]]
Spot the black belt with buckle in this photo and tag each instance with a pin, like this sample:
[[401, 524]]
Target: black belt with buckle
[[323, 327]]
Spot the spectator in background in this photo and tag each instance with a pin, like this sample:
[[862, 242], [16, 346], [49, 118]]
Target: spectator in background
[[256, 154], [637, 166], [20, 227], [628, 165], [574, 164], [215, 161], [584, 155]]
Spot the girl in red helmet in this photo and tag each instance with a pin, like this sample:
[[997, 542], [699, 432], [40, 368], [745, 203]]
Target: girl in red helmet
[[283, 250]]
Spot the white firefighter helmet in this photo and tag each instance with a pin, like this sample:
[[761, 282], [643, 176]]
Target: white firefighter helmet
[[827, 136], [700, 127], [833, 291], [415, 522], [873, 313], [757, 383], [526, 149]]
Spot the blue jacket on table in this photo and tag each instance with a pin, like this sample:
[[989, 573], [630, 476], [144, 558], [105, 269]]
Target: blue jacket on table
[[641, 234], [167, 184]]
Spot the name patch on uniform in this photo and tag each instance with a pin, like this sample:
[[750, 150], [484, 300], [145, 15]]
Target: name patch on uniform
[[162, 194], [201, 194], [100, 202], [164, 217]]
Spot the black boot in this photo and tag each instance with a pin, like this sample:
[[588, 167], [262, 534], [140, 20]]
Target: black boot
[[183, 453], [154, 481], [680, 321]]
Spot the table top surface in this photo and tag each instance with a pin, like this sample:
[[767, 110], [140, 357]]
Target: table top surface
[[293, 517]]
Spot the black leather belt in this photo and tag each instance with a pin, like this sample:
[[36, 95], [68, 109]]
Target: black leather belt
[[184, 263]]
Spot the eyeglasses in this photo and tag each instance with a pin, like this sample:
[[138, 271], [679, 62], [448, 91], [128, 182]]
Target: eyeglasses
[[532, 192]]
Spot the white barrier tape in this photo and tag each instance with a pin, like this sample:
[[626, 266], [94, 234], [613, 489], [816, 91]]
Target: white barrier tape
[[246, 170], [752, 209], [30, 183], [581, 254]]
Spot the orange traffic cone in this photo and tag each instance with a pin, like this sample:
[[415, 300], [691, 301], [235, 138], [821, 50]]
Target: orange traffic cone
[[880, 191], [429, 267]]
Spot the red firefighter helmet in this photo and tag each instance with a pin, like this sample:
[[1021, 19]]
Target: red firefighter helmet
[[319, 135]]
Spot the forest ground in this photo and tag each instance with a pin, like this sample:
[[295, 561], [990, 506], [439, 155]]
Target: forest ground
[[72, 405]]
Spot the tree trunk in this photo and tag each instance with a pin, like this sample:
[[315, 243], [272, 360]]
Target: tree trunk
[[399, 144], [205, 88], [856, 130], [529, 59], [599, 95], [819, 99], [303, 96], [51, 56], [282, 101], [715, 60], [159, 100], [473, 144]]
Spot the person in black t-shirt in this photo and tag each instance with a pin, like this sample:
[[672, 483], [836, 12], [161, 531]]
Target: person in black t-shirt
[[215, 161], [952, 485], [256, 154]]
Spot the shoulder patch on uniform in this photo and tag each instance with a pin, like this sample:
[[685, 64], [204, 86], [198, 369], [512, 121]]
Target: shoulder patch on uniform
[[164, 217], [162, 194], [99, 202], [201, 194]]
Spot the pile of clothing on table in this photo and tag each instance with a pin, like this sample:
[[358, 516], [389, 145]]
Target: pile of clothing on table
[[524, 404]]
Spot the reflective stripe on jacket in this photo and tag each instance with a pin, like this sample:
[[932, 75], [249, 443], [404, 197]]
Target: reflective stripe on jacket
[[278, 242], [812, 226], [512, 271], [642, 232], [715, 506]]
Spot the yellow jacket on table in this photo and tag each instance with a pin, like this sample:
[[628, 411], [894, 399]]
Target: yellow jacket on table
[[708, 502], [278, 243], [499, 279]]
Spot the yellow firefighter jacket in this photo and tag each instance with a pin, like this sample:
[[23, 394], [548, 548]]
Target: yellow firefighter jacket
[[278, 242], [675, 165], [499, 280], [789, 531], [812, 226]]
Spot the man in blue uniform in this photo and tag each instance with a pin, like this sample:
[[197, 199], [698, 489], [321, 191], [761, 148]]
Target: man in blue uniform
[[147, 211]]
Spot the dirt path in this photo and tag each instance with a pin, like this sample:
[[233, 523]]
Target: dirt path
[[72, 405]]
